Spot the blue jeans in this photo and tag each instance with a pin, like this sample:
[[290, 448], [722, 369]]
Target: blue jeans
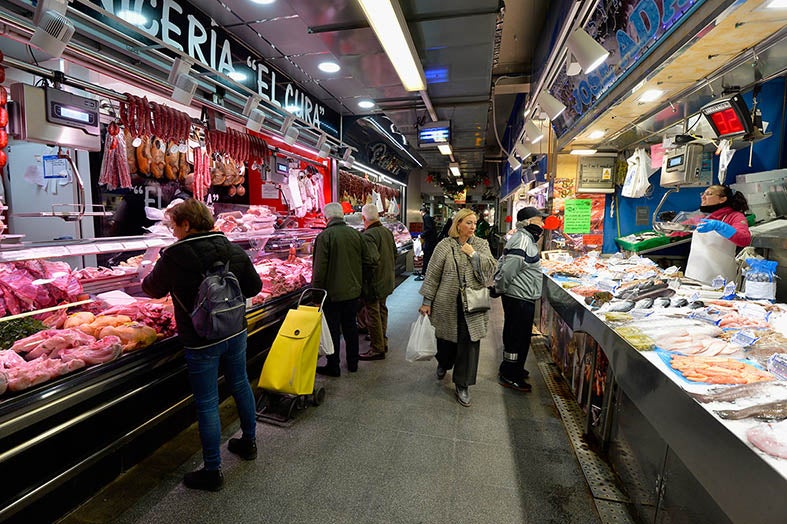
[[203, 365]]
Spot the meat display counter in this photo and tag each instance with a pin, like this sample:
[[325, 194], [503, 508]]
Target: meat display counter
[[63, 439], [402, 238], [677, 461]]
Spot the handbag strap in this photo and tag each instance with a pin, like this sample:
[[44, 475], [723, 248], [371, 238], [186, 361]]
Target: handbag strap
[[459, 273]]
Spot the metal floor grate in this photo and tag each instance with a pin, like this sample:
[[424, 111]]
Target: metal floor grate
[[610, 501]]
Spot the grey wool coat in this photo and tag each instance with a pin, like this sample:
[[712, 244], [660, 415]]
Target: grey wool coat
[[442, 283]]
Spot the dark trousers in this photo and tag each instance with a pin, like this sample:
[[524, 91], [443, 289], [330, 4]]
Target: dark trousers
[[341, 321], [461, 355], [377, 315], [517, 330], [428, 250]]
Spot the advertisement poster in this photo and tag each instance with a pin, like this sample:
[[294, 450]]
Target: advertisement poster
[[571, 236], [576, 217]]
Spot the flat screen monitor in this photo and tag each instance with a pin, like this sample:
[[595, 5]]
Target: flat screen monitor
[[434, 134]]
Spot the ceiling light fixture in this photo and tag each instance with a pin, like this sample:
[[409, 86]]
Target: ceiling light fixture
[[323, 146], [589, 53], [596, 134], [329, 67], [445, 149], [551, 105], [533, 132], [651, 95], [514, 162], [255, 116], [263, 2], [583, 152], [134, 18], [572, 66], [777, 4], [460, 182], [183, 85], [366, 104], [388, 23], [522, 151], [238, 76], [454, 168], [53, 29]]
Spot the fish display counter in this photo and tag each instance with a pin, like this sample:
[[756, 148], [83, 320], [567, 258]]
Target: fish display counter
[[682, 389]]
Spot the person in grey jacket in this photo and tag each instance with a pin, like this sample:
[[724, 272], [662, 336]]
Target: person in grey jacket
[[519, 280], [378, 284], [461, 259], [341, 256]]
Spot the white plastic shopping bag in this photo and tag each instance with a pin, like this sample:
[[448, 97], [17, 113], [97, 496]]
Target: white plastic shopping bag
[[326, 342], [423, 343]]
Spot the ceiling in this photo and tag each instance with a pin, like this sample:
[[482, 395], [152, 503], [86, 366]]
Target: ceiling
[[473, 42]]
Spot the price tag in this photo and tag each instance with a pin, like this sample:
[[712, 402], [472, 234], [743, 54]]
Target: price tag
[[718, 282], [743, 338], [111, 247], [753, 311], [607, 285], [694, 297], [704, 316]]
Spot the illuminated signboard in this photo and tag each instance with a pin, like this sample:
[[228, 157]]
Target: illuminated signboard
[[434, 134]]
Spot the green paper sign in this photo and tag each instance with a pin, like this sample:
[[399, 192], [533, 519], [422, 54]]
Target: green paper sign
[[577, 215]]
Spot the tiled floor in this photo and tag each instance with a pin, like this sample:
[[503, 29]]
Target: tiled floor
[[389, 445]]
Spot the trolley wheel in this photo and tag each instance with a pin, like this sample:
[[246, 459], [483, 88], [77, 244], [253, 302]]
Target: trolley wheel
[[319, 396], [291, 407], [301, 401], [263, 402]]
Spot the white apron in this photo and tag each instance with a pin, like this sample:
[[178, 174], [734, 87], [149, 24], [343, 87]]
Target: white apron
[[711, 255]]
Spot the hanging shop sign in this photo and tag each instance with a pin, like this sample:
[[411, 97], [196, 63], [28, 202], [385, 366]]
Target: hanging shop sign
[[380, 145], [185, 28], [629, 30]]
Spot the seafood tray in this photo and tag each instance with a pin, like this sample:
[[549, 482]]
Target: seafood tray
[[718, 370], [641, 241]]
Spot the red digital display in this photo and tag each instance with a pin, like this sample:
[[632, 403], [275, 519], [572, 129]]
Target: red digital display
[[727, 122]]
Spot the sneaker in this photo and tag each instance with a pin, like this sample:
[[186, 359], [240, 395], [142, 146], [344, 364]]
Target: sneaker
[[372, 355], [328, 371], [440, 373], [463, 395], [518, 385], [243, 447], [419, 278], [206, 480]]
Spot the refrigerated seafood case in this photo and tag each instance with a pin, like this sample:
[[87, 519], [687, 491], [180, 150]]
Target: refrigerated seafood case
[[676, 461], [62, 440]]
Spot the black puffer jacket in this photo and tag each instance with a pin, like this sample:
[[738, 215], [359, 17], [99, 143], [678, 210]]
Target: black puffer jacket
[[180, 268]]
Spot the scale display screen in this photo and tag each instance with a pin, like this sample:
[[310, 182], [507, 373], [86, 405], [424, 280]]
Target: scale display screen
[[675, 161], [728, 117], [73, 114]]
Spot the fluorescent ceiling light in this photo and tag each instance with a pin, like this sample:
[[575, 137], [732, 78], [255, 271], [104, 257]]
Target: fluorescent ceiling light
[[460, 182], [583, 152], [329, 67], [521, 150], [651, 95], [133, 17], [238, 76], [445, 149], [551, 105], [454, 168], [263, 2], [596, 134], [777, 4], [386, 19], [533, 132], [589, 53], [366, 104]]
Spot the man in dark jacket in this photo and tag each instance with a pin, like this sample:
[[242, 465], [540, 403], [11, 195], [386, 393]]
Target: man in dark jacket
[[340, 255], [428, 239], [378, 284]]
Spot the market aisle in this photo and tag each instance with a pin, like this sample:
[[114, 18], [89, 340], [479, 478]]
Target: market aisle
[[390, 444]]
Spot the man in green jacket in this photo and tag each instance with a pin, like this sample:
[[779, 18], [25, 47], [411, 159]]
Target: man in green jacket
[[379, 283], [340, 256]]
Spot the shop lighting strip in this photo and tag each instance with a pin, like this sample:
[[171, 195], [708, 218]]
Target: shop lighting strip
[[370, 171]]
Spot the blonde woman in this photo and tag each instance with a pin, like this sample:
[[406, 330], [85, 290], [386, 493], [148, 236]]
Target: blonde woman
[[458, 260]]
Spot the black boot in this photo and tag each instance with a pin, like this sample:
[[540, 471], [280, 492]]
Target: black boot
[[243, 447], [207, 480]]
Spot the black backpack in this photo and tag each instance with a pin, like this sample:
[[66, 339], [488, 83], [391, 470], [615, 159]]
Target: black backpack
[[220, 307]]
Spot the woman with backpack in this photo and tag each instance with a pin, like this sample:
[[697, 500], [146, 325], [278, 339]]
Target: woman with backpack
[[202, 261]]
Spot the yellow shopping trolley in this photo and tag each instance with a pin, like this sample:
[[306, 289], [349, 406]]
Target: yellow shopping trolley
[[287, 378]]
